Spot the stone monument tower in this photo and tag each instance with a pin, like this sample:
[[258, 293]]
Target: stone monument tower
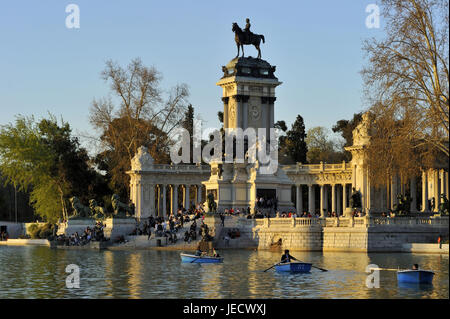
[[249, 97]]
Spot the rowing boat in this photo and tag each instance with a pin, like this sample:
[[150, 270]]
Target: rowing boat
[[294, 267], [188, 258], [418, 276]]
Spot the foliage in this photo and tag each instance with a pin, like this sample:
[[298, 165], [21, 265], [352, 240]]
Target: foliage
[[37, 231], [293, 145], [137, 117], [406, 82], [346, 127], [322, 148], [46, 160]]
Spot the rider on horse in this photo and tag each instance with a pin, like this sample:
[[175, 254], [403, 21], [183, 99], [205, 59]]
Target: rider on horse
[[247, 30]]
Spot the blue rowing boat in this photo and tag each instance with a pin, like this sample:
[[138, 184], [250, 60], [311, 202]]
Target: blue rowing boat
[[418, 276], [294, 267], [188, 258]]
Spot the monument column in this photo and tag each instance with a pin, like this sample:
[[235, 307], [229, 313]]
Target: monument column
[[311, 199], [187, 203], [344, 197], [175, 199], [199, 194], [152, 200], [436, 190], [413, 188], [299, 199], [164, 204], [446, 183], [442, 175], [322, 200], [333, 198], [225, 111], [338, 201], [425, 207]]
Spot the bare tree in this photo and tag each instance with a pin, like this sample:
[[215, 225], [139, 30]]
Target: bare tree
[[136, 115], [406, 83]]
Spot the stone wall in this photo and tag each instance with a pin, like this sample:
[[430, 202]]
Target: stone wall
[[314, 234]]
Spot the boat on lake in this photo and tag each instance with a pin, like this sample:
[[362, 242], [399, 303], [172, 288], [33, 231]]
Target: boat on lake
[[189, 258], [416, 276], [293, 267]]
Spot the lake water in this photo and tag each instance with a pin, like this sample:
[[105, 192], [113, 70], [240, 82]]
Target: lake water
[[39, 272]]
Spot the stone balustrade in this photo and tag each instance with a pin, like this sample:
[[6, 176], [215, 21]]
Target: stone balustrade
[[345, 222]]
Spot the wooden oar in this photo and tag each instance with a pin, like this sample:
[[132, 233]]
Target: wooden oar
[[272, 266], [391, 269]]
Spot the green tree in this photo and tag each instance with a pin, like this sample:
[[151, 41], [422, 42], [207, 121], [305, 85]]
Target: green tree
[[293, 146], [346, 127], [44, 159]]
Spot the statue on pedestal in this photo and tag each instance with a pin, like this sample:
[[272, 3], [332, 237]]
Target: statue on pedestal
[[355, 199], [212, 206], [97, 211], [80, 211], [121, 210], [246, 37], [443, 206]]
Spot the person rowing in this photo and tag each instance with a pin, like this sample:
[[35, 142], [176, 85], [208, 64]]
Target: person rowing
[[286, 257]]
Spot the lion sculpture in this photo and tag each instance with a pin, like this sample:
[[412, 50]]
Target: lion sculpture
[[121, 210], [97, 211], [80, 211]]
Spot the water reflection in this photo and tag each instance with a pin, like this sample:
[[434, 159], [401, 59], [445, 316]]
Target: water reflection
[[39, 272]]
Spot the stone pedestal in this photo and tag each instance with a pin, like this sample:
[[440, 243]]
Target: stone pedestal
[[116, 227], [76, 225], [249, 99]]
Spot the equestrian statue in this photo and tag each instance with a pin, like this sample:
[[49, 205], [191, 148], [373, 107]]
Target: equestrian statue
[[246, 37]]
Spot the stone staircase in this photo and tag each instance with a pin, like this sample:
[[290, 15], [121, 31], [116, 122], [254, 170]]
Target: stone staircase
[[142, 242]]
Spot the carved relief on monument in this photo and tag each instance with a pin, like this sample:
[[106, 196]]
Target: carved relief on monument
[[232, 113], [254, 112]]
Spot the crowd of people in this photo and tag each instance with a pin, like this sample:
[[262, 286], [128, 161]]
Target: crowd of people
[[263, 202], [170, 227], [89, 234]]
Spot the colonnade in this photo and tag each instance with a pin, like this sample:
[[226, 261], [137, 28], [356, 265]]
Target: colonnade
[[171, 192], [339, 198]]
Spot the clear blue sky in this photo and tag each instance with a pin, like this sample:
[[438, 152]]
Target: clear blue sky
[[316, 46]]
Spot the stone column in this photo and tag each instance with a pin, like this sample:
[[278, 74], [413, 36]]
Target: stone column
[[413, 188], [446, 183], [175, 199], [199, 194], [442, 176], [225, 111], [322, 190], [311, 200], [338, 201], [436, 190], [299, 200], [425, 207], [164, 205], [344, 197], [187, 195], [333, 198], [152, 200]]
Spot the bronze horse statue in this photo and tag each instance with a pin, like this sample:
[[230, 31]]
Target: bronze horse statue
[[242, 39]]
